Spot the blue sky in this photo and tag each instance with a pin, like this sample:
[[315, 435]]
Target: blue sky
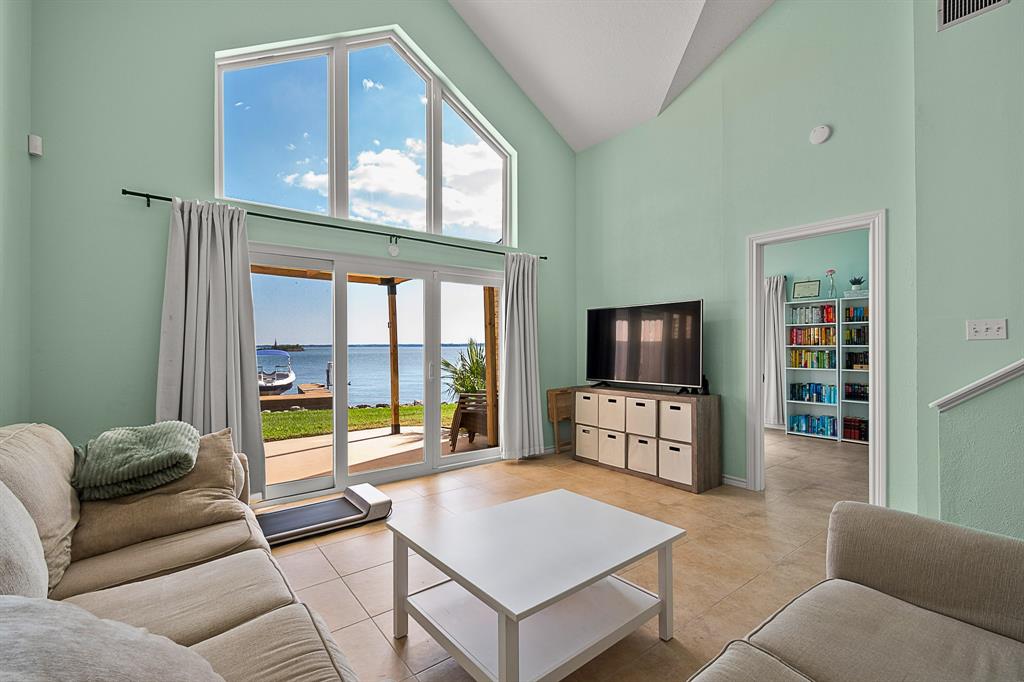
[[293, 310], [276, 151]]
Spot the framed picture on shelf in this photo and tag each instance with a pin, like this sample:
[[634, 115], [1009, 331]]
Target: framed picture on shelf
[[808, 288]]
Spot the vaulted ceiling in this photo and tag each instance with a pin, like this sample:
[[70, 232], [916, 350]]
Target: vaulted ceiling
[[598, 67]]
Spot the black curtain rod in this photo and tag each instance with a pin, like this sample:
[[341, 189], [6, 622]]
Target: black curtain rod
[[391, 237]]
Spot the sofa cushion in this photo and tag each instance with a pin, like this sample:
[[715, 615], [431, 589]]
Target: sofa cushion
[[239, 587], [36, 463], [204, 496], [160, 556], [840, 631], [743, 661], [291, 643], [49, 640], [22, 564]]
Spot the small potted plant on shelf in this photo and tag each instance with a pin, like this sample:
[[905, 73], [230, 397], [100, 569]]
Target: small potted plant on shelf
[[856, 282]]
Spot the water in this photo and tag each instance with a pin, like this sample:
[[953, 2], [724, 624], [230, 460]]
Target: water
[[369, 371]]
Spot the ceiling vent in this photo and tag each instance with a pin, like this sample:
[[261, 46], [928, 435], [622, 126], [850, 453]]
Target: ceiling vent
[[952, 12]]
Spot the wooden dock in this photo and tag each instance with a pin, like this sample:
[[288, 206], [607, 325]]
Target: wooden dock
[[310, 397]]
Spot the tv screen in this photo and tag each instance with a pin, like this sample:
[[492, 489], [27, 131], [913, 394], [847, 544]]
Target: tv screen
[[646, 344]]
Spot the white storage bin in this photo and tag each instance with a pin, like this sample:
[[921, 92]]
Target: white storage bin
[[675, 461], [612, 448], [586, 408], [642, 454], [675, 421], [612, 414], [586, 441], [642, 416]]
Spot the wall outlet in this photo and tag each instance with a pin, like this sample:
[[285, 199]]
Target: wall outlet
[[983, 330]]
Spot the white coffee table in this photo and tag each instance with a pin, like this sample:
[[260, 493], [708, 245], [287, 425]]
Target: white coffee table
[[531, 594]]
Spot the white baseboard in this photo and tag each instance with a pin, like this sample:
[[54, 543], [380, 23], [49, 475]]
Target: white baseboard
[[732, 480]]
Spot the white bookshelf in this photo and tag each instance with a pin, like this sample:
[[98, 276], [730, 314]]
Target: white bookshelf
[[812, 346], [853, 407]]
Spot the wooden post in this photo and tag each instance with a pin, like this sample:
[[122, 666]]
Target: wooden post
[[491, 358], [396, 425]]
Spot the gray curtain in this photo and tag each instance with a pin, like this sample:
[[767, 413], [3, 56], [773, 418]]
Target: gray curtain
[[207, 366], [522, 432], [774, 350]]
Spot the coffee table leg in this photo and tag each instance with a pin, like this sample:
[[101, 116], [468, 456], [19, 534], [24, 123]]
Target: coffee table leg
[[401, 577], [665, 618], [508, 649]]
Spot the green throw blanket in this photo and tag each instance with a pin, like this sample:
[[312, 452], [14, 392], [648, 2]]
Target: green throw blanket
[[129, 460]]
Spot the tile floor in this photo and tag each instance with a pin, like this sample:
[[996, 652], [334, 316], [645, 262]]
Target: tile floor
[[745, 555]]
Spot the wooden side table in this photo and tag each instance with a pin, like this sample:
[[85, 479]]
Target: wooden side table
[[561, 407]]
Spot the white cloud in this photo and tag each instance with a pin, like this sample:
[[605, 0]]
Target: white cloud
[[415, 146], [238, 104], [376, 142], [303, 162], [372, 85], [388, 187], [308, 180], [247, 107], [290, 147], [305, 136], [423, 99]]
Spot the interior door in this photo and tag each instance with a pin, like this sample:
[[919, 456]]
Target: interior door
[[293, 305]]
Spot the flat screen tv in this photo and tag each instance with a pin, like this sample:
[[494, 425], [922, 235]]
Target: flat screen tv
[[658, 344]]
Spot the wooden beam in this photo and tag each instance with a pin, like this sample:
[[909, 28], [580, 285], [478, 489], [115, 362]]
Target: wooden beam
[[396, 425], [355, 278], [491, 359]]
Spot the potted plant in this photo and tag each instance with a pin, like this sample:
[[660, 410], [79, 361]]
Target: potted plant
[[856, 282]]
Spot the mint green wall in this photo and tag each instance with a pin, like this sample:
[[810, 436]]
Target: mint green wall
[[663, 210], [970, 210], [982, 464], [15, 225], [845, 252], [124, 93]]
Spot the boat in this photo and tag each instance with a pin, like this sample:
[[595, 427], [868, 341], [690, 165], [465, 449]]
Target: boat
[[274, 370]]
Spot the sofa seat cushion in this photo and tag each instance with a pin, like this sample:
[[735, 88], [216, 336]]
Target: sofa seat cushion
[[208, 494], [50, 640], [840, 630], [160, 556], [36, 463], [22, 564], [288, 644], [197, 603], [743, 661]]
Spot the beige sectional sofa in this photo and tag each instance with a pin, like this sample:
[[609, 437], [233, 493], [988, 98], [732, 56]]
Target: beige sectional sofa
[[905, 598], [186, 561]]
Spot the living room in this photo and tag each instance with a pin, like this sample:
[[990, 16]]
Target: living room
[[614, 156]]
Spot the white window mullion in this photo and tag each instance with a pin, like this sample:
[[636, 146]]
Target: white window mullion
[[339, 131], [434, 176]]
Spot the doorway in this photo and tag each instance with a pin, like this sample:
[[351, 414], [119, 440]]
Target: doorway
[[408, 372], [830, 377]]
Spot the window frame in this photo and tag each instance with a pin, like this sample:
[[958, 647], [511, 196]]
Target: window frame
[[437, 91]]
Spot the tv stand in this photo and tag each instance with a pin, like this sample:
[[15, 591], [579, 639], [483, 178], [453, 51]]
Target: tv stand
[[601, 384], [662, 436]]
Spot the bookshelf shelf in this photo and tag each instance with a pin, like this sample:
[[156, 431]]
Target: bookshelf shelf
[[854, 382], [804, 346]]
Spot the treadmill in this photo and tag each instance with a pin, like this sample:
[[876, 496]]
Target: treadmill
[[359, 504]]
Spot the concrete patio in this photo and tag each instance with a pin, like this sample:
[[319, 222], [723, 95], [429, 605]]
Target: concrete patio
[[369, 449]]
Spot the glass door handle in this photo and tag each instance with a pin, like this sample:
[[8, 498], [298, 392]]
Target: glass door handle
[[430, 371]]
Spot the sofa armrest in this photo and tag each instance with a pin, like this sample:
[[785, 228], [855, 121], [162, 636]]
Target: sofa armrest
[[208, 494], [967, 574], [242, 492]]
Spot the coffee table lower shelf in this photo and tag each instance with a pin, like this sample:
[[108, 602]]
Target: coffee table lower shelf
[[552, 642]]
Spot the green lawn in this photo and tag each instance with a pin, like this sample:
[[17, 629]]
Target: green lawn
[[284, 425]]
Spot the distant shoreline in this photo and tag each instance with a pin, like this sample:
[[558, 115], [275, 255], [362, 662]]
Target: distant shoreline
[[286, 346]]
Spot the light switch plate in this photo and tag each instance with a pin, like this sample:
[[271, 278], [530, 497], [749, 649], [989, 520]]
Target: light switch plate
[[986, 330]]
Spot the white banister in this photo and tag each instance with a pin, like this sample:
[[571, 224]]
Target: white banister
[[983, 385]]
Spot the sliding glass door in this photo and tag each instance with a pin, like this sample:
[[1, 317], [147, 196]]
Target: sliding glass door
[[402, 358], [293, 305]]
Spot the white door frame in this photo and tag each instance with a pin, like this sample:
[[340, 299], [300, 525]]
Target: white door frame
[[432, 276], [874, 222]]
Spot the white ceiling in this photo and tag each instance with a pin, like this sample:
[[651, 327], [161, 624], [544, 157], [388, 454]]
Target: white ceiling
[[598, 67]]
